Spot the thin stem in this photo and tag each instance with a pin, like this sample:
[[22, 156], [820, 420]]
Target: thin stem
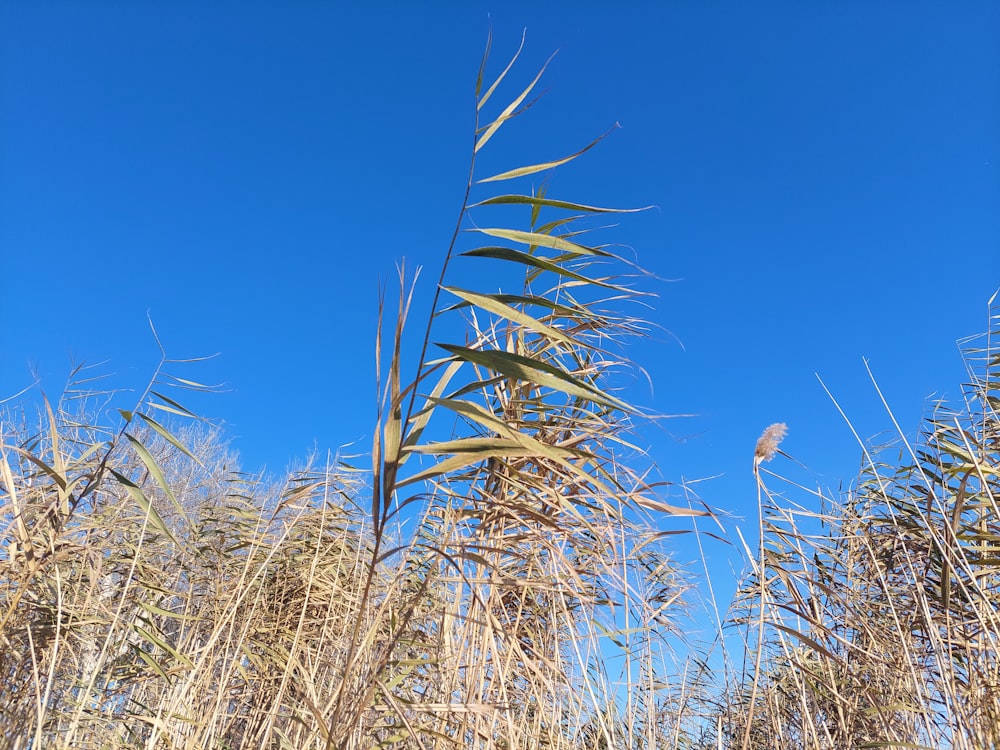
[[760, 618]]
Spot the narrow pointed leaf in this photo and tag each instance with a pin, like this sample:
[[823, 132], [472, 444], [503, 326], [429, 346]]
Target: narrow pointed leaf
[[542, 240], [482, 63], [495, 306], [534, 168], [192, 385], [170, 409], [166, 435], [58, 464], [177, 408], [672, 510], [564, 311], [494, 126], [154, 610], [536, 210], [56, 476], [489, 92], [529, 200], [473, 445], [814, 645], [537, 372], [392, 434], [157, 473], [143, 502], [460, 461], [155, 666], [419, 421], [508, 433], [156, 640], [506, 253]]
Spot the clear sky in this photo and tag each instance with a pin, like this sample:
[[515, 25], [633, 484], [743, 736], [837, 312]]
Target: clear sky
[[825, 177]]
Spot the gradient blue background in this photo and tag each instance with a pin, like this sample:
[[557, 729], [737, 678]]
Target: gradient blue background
[[825, 177]]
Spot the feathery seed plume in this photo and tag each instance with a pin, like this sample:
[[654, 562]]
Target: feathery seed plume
[[767, 443]]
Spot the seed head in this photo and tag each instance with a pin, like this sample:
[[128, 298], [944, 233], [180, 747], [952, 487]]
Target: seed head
[[767, 443]]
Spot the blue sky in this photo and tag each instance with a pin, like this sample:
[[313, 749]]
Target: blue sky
[[824, 175]]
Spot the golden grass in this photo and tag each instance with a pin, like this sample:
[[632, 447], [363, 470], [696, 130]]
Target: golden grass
[[878, 620], [495, 579]]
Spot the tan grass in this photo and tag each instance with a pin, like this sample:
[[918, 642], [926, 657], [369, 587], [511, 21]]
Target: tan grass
[[155, 597], [877, 615], [495, 580]]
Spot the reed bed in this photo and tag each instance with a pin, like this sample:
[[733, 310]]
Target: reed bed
[[498, 577]]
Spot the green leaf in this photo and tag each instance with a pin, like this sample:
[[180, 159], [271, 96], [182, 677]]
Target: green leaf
[[509, 112], [155, 665], [482, 69], [157, 473], [56, 477], [507, 432], [536, 210], [577, 313], [192, 385], [162, 644], [166, 435], [143, 502], [174, 407], [482, 63], [543, 240], [534, 371], [506, 253], [419, 420], [532, 169], [814, 645], [530, 200], [487, 445], [495, 306], [462, 460]]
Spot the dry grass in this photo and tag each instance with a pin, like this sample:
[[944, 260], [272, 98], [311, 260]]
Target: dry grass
[[878, 617], [494, 580], [156, 597]]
